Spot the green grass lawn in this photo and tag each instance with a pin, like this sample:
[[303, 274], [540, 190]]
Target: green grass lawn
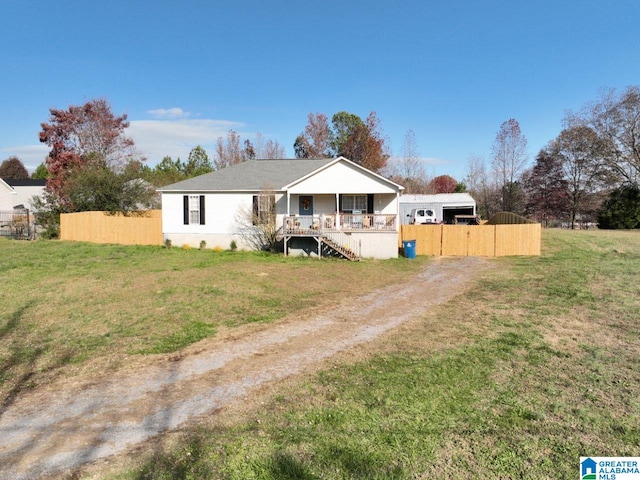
[[70, 308], [537, 365]]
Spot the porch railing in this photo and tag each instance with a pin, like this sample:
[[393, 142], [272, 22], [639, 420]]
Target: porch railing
[[344, 244], [340, 222]]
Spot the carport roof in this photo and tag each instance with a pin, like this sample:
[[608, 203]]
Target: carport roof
[[441, 198]]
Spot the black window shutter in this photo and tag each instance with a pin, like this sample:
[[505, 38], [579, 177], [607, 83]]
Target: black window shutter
[[185, 209], [340, 203], [201, 209], [370, 203], [255, 210]]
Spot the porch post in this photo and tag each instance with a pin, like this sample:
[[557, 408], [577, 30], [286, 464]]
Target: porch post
[[398, 220], [338, 211]]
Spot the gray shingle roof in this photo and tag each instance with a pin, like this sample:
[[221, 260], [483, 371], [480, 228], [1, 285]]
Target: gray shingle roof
[[25, 182], [254, 175]]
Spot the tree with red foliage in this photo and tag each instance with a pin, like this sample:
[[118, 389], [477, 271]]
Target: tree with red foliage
[[13, 167], [443, 184], [546, 189], [84, 135], [89, 165], [364, 144], [351, 137]]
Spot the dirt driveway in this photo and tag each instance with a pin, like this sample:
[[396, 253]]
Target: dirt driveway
[[65, 426]]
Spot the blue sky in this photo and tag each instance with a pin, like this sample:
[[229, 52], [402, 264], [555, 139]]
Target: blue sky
[[185, 72]]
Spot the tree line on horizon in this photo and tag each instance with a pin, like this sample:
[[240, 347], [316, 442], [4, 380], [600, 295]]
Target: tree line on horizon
[[588, 173]]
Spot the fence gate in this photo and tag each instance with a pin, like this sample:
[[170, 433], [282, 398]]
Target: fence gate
[[16, 224]]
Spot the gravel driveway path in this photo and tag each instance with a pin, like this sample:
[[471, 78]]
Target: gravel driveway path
[[62, 428]]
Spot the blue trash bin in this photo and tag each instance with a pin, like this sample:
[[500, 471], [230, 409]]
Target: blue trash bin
[[409, 247]]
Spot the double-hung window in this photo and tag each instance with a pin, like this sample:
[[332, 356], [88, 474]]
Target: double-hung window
[[354, 202], [193, 209], [264, 209]]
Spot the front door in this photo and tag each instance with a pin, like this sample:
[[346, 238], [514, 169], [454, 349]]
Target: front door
[[305, 205]]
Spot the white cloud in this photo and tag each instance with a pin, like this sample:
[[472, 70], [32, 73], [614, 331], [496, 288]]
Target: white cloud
[[156, 139], [171, 113], [30, 155]]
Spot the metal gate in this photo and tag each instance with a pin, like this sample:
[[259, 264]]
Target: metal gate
[[17, 223]]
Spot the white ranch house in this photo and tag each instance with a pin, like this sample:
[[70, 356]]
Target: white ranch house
[[322, 207]]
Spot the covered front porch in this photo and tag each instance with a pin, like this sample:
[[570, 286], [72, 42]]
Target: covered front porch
[[348, 225], [337, 234]]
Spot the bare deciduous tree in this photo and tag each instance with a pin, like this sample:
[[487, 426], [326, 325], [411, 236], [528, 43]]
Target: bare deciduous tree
[[408, 170], [272, 149], [316, 140], [257, 223], [615, 117], [232, 150], [268, 149], [509, 158], [482, 187]]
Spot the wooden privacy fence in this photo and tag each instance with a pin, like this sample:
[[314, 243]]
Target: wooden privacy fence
[[138, 228], [474, 240]]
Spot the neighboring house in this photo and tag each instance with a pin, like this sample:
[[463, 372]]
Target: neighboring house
[[7, 196], [19, 192], [445, 205], [16, 219], [321, 207]]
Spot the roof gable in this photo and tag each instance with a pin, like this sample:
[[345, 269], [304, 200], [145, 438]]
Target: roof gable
[[5, 186], [343, 176]]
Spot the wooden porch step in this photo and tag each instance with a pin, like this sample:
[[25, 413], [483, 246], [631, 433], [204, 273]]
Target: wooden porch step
[[343, 251]]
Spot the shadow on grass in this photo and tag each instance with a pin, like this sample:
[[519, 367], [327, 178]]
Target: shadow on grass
[[187, 462], [21, 357], [359, 464], [286, 466], [13, 322]]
